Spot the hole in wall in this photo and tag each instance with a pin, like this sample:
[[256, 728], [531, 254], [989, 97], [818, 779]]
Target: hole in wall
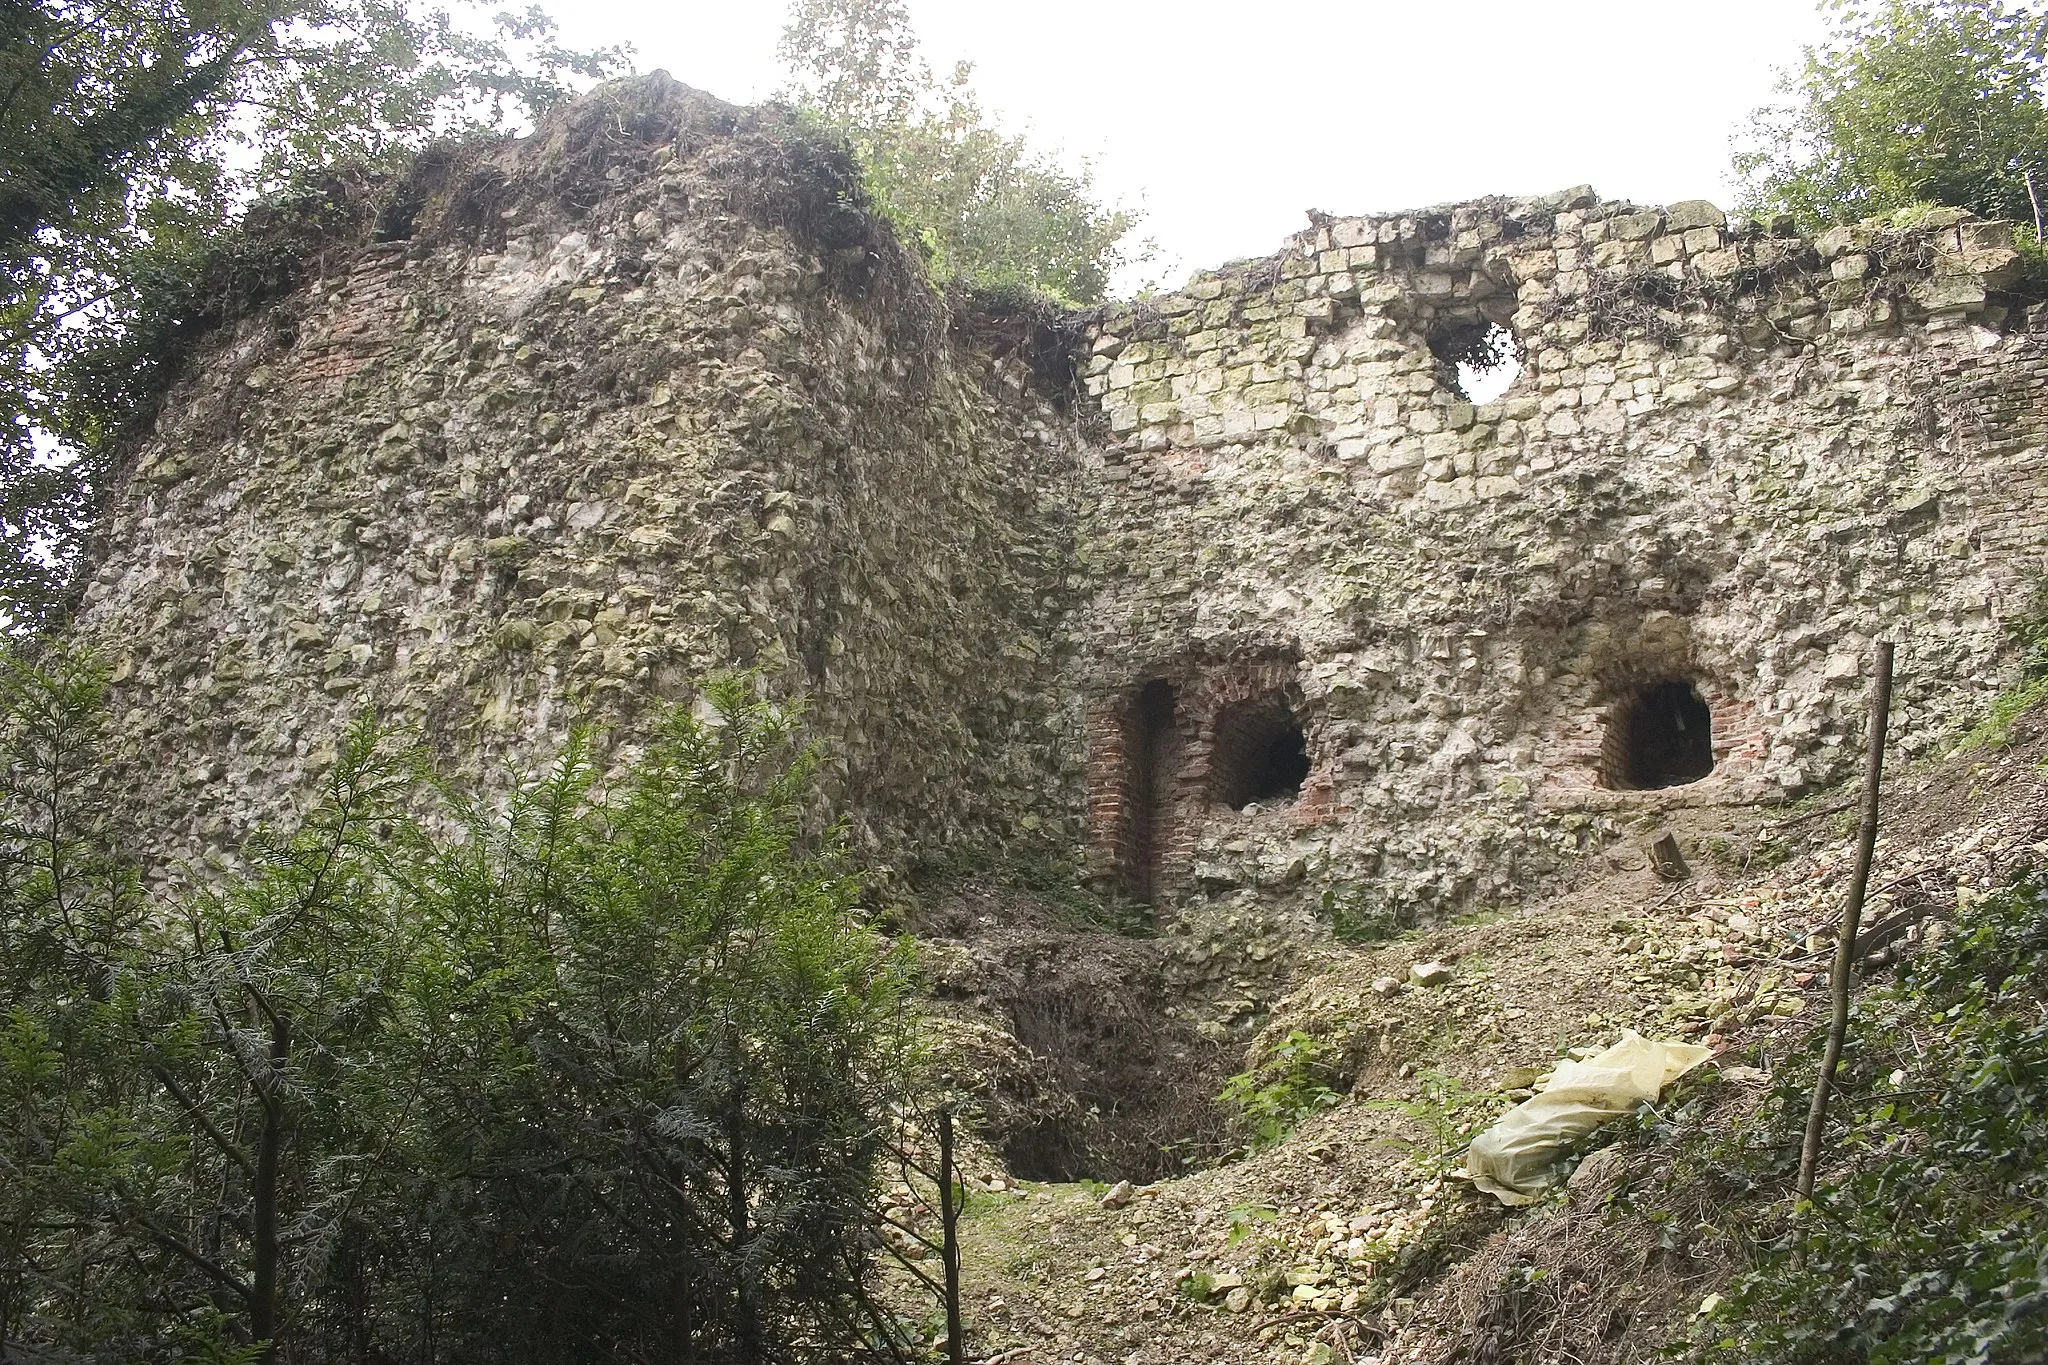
[[398, 219], [1476, 359], [1659, 735], [1260, 754]]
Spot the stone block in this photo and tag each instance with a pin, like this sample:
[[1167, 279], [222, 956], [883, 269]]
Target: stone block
[[1352, 232], [1701, 240], [1690, 214], [1443, 445], [1719, 265], [1611, 255], [1636, 227], [1834, 242], [1948, 293], [1401, 455]]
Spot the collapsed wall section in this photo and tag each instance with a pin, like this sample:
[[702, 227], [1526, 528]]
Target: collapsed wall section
[[1731, 458], [645, 397]]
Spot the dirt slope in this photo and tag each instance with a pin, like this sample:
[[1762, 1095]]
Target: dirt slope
[[1348, 1241]]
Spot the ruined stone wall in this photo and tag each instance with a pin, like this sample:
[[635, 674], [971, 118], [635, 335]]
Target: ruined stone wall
[[643, 398], [1263, 602], [1733, 457]]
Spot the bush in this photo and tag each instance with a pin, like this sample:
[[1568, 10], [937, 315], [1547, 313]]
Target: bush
[[1289, 1082], [1908, 101], [1925, 1242], [603, 1075]]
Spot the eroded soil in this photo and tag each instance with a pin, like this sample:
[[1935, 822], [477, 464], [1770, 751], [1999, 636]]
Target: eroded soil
[[1351, 1239]]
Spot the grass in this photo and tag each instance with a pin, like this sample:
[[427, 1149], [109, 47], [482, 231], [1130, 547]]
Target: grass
[[1994, 733]]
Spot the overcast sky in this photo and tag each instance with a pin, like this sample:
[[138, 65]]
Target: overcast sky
[[1224, 121]]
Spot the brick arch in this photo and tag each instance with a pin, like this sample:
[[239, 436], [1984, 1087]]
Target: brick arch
[[1153, 765]]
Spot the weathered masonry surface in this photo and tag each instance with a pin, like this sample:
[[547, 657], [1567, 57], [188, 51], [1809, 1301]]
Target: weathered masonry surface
[[1235, 593], [630, 402], [1731, 455]]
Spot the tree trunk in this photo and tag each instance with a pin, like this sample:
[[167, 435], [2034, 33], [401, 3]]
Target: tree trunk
[[264, 1196], [1852, 914], [949, 1223], [747, 1326]]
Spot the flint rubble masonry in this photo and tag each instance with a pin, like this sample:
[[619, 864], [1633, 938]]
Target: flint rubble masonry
[[1731, 455], [669, 402]]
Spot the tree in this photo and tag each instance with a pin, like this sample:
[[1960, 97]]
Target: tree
[[985, 208], [266, 1035], [72, 918], [132, 136], [604, 1073], [1910, 101], [657, 1062]]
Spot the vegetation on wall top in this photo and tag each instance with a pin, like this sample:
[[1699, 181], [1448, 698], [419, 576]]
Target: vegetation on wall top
[[985, 208], [133, 138], [1905, 102]]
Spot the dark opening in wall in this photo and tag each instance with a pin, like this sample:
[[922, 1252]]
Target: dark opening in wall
[[1660, 735], [1150, 744], [1260, 754], [1476, 359]]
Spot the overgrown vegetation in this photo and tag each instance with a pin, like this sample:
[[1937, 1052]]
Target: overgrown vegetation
[[133, 139], [1909, 101], [1924, 1241], [1287, 1083], [1356, 916], [604, 1076], [986, 209], [2029, 632], [1053, 882]]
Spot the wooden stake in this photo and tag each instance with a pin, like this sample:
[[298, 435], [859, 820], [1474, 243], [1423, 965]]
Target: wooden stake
[[1852, 915], [949, 1222]]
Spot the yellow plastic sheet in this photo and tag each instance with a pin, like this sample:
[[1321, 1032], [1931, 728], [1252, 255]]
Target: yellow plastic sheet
[[1517, 1159]]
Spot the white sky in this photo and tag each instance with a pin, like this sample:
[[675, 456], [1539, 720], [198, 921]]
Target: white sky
[[1224, 121]]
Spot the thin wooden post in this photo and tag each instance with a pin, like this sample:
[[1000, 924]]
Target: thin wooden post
[[949, 1222], [1852, 915]]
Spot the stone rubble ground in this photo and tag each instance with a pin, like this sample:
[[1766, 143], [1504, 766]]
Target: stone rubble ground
[[1275, 1256]]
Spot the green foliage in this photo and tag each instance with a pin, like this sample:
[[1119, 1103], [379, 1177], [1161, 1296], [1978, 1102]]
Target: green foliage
[[599, 1075], [662, 993], [986, 209], [1243, 1218], [2030, 632], [1907, 101], [1449, 1110], [1357, 917], [1925, 1240], [69, 918], [1290, 1081], [132, 140]]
